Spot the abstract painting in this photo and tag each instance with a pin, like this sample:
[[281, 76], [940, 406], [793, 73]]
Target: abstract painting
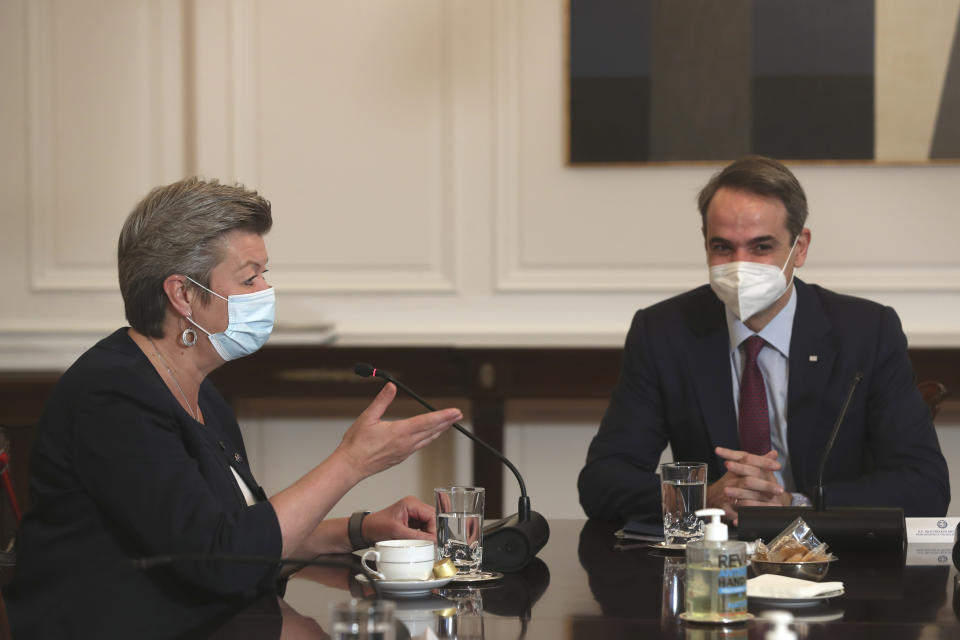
[[871, 81]]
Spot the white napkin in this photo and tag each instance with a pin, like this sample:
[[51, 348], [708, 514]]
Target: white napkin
[[770, 585], [427, 634]]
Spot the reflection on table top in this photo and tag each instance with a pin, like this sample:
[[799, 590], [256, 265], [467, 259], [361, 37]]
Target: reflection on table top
[[582, 587]]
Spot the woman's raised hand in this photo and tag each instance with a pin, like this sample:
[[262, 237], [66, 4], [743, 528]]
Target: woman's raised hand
[[373, 444]]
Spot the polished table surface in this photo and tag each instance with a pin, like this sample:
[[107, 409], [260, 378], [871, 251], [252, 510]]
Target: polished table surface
[[582, 586]]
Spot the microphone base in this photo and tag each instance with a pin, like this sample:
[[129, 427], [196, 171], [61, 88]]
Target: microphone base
[[843, 529], [509, 544]]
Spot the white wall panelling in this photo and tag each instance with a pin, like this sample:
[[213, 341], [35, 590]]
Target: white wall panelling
[[352, 146], [104, 112], [564, 229]]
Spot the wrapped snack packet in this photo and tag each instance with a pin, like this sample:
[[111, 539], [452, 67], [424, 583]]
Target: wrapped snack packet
[[761, 553], [819, 552], [797, 543]]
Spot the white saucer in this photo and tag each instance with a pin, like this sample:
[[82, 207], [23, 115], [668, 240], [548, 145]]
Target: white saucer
[[406, 588], [794, 602]]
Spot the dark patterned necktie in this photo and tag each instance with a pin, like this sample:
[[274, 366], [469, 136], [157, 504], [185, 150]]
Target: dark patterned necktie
[[754, 417]]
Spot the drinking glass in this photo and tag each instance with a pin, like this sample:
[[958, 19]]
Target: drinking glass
[[671, 604], [460, 527], [465, 620], [684, 486], [363, 620]]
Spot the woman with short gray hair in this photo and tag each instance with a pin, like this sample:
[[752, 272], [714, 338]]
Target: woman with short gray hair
[[180, 228], [138, 455]]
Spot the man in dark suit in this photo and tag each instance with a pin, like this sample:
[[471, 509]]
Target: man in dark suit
[[759, 410]]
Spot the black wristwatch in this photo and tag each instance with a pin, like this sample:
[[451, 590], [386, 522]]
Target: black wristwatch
[[354, 530]]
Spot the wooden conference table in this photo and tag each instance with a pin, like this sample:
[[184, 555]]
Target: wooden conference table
[[581, 587]]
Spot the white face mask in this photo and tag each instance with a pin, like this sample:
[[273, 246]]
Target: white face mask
[[747, 288], [250, 322]]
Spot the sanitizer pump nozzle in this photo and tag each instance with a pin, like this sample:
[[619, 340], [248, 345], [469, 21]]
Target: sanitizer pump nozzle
[[715, 530]]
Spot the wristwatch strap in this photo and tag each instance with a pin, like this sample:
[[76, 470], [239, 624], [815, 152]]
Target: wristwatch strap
[[354, 532]]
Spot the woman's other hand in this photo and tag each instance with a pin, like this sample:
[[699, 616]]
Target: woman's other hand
[[373, 444], [406, 519]]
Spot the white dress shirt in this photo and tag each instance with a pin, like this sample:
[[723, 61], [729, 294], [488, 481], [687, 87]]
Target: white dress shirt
[[774, 364]]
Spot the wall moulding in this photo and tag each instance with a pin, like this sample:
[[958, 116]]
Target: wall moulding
[[74, 151], [234, 49], [855, 280]]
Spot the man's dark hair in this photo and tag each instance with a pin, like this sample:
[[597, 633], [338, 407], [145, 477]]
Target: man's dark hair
[[764, 177]]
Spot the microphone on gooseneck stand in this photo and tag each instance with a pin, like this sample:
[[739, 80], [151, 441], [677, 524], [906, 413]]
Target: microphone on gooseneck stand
[[818, 497], [510, 543], [843, 528]]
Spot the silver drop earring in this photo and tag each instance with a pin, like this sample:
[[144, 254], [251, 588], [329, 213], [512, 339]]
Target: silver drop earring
[[189, 337]]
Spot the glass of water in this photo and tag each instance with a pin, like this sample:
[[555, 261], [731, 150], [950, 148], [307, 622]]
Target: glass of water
[[363, 620], [684, 486], [460, 527], [674, 571], [465, 621]]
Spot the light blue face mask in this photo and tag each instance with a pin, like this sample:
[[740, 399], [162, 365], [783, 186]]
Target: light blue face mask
[[250, 322]]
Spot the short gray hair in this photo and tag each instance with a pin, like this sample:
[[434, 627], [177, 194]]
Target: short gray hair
[[180, 228]]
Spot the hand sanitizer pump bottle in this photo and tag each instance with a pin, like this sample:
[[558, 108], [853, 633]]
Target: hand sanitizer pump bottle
[[716, 577]]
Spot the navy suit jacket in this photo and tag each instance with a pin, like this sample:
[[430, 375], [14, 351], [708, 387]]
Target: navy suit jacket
[[675, 387], [118, 471]]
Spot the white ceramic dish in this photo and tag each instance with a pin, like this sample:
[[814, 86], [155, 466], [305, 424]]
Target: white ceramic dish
[[795, 602], [406, 588]]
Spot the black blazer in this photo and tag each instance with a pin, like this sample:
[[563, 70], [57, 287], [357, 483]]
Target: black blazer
[[675, 386], [119, 470]]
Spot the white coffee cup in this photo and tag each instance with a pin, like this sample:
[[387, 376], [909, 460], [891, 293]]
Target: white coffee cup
[[401, 559]]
